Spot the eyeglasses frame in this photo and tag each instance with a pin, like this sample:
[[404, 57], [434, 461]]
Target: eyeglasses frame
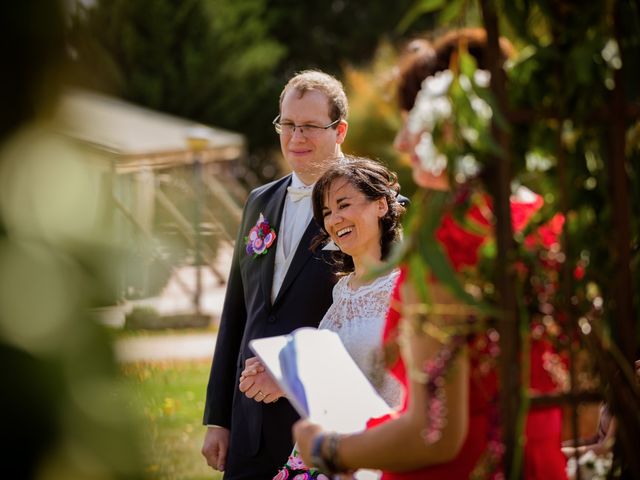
[[278, 126]]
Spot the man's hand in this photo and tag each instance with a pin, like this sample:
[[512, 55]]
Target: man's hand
[[215, 446], [257, 384]]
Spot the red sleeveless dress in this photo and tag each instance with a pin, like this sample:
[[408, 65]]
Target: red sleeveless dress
[[543, 458]]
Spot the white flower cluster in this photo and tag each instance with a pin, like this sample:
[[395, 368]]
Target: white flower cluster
[[592, 466], [433, 106], [431, 159]]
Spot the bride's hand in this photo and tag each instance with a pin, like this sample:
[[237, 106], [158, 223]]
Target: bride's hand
[[257, 384], [251, 368], [304, 432]]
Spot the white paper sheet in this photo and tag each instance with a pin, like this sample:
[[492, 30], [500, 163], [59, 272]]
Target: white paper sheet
[[320, 378]]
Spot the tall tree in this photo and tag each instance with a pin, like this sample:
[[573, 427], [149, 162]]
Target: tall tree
[[206, 60], [224, 62]]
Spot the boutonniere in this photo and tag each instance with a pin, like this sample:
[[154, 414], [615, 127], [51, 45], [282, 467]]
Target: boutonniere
[[260, 238]]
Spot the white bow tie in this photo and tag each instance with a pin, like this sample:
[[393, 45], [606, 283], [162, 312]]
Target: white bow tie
[[298, 193]]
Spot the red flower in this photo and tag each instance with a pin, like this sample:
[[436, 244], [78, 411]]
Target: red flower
[[460, 245], [548, 234], [521, 212]]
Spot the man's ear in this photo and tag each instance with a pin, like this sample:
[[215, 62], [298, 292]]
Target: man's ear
[[341, 130]]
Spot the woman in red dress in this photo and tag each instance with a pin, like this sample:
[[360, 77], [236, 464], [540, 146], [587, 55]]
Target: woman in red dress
[[448, 427]]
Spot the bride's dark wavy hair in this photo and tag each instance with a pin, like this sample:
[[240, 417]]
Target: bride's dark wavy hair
[[375, 181]]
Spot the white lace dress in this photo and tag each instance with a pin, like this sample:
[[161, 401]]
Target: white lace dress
[[358, 317]]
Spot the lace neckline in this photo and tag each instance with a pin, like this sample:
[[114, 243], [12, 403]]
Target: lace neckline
[[369, 286]]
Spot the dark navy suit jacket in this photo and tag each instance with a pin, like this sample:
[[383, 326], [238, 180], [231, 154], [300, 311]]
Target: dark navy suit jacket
[[248, 313]]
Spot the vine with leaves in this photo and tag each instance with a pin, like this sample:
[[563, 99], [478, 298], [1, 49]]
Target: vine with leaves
[[570, 117]]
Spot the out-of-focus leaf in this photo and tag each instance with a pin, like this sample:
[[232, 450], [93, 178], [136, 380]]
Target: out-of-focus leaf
[[435, 257], [468, 64], [452, 11], [486, 95], [418, 272], [487, 143], [419, 8]]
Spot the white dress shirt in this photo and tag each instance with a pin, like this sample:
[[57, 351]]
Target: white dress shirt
[[295, 220]]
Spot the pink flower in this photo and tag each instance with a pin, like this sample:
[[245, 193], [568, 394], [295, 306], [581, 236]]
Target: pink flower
[[295, 462], [259, 246], [260, 237], [282, 475], [269, 238]]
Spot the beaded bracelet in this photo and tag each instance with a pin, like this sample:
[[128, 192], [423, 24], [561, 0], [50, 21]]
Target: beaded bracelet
[[332, 453], [327, 464], [317, 459]]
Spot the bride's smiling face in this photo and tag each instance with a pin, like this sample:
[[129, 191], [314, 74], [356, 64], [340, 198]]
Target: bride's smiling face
[[352, 220]]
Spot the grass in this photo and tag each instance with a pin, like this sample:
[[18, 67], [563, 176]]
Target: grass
[[171, 398]]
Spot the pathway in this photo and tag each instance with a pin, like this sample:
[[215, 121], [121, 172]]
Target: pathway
[[173, 300], [195, 346]]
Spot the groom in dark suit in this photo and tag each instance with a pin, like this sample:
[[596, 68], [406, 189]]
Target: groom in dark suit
[[275, 285]]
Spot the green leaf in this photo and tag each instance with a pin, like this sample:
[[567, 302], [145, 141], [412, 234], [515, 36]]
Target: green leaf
[[434, 205], [430, 257], [487, 143], [487, 95], [453, 10], [418, 272], [419, 8], [435, 257], [468, 65], [489, 250]]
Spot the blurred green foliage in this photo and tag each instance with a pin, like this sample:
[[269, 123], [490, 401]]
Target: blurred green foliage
[[192, 58], [224, 62], [64, 408], [571, 96]]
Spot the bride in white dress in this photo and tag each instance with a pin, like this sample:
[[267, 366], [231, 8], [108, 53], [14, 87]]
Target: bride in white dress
[[356, 204]]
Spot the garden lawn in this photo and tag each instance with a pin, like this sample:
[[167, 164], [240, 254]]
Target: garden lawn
[[170, 396]]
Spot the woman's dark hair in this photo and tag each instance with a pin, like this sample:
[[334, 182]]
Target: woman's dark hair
[[375, 181], [423, 59]]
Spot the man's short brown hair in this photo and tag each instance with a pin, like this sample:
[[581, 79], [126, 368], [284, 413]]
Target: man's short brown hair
[[308, 80]]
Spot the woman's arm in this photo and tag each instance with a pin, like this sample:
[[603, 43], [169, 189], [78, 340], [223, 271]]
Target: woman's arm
[[398, 444], [602, 447]]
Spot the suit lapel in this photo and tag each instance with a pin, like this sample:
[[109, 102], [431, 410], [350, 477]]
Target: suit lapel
[[303, 253], [273, 213]]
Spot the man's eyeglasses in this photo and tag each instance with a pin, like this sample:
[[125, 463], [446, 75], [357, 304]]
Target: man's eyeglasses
[[309, 131]]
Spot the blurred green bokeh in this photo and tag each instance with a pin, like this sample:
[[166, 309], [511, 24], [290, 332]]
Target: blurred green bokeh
[[65, 411]]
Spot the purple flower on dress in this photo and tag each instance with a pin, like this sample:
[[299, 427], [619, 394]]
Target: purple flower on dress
[[295, 462], [302, 476], [260, 238]]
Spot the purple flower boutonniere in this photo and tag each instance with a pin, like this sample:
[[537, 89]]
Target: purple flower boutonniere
[[260, 238]]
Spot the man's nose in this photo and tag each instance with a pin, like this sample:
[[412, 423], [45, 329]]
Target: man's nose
[[297, 130]]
